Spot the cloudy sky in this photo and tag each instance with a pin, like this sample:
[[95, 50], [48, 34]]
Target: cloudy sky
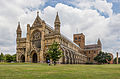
[[95, 18]]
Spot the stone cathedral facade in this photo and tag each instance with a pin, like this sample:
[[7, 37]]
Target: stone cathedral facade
[[40, 36]]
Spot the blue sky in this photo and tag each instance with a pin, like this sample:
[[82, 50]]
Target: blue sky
[[115, 7], [95, 18]]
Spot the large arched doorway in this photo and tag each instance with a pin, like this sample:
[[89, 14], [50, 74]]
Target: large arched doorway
[[22, 58], [34, 58]]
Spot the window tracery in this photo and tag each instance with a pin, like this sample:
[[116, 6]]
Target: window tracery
[[36, 40]]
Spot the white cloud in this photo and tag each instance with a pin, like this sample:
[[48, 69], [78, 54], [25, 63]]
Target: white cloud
[[104, 6], [12, 11], [85, 19], [101, 5], [88, 21]]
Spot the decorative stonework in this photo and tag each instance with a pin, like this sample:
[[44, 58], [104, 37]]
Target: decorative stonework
[[39, 37]]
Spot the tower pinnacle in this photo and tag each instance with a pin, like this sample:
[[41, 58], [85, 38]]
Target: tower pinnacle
[[37, 13], [57, 20], [57, 24], [19, 31], [18, 28], [99, 42]]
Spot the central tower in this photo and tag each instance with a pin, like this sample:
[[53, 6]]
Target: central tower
[[79, 39]]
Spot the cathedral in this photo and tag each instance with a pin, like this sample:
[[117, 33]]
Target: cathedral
[[40, 36]]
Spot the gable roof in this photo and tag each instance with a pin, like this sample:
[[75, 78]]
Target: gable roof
[[38, 21]]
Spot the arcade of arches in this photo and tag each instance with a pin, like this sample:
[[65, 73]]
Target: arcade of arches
[[71, 57], [40, 36]]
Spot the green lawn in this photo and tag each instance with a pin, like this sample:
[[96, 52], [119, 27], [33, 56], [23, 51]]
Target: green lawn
[[43, 71]]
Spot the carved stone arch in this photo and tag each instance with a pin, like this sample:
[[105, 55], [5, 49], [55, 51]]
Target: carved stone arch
[[31, 52], [34, 56], [21, 57]]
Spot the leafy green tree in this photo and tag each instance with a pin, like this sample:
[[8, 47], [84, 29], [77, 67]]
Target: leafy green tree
[[14, 57], [102, 58], [2, 57], [115, 60], [9, 58], [54, 52]]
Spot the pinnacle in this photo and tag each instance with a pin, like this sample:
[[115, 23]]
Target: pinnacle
[[18, 28], [37, 13], [57, 18], [99, 42]]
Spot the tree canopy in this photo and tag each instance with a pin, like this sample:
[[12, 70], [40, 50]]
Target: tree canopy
[[7, 57], [102, 58], [54, 52], [2, 57], [115, 60]]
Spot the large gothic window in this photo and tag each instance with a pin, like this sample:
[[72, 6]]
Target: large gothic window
[[36, 39]]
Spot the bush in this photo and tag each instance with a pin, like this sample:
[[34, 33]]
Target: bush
[[102, 58]]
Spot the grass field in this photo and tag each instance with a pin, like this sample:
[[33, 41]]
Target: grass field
[[43, 71]]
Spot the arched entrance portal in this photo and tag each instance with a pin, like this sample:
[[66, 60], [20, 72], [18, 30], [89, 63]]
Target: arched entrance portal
[[34, 58], [22, 58]]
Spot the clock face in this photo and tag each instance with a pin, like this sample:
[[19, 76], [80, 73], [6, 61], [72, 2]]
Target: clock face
[[36, 41]]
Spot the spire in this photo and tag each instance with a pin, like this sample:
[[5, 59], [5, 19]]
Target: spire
[[19, 32], [37, 13], [18, 28], [57, 20], [57, 24], [99, 42]]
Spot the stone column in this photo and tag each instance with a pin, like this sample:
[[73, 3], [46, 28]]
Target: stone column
[[26, 59], [117, 58], [38, 57], [68, 57], [72, 58], [17, 57], [65, 57]]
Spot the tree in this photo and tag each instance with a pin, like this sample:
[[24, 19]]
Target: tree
[[102, 58], [54, 52], [8, 58], [14, 57], [2, 57], [114, 61]]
